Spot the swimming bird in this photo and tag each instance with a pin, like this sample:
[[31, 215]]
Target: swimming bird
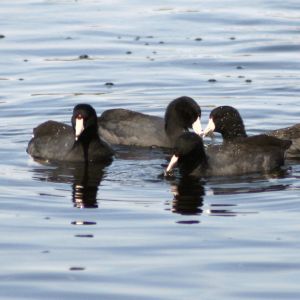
[[77, 143], [127, 127], [292, 133], [227, 159], [227, 121]]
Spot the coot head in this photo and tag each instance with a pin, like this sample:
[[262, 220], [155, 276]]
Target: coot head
[[84, 122], [182, 114], [227, 121], [188, 154]]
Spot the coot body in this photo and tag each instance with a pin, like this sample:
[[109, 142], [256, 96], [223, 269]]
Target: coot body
[[232, 158], [127, 127], [77, 143], [292, 133]]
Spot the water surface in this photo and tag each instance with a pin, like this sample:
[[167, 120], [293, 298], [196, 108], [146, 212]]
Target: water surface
[[123, 232]]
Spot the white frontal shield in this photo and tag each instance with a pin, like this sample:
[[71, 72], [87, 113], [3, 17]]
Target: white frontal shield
[[78, 127], [197, 127], [209, 128], [172, 163]]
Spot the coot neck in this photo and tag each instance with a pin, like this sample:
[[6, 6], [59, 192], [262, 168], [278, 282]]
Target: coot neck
[[86, 137], [173, 130], [236, 131], [230, 137], [193, 160]]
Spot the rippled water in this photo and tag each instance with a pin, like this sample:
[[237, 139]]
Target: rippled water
[[126, 233]]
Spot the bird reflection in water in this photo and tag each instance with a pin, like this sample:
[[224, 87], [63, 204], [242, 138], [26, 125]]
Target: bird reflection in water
[[189, 192], [85, 186], [188, 196], [84, 179]]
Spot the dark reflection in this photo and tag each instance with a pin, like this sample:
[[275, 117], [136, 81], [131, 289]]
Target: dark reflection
[[218, 210], [188, 196], [189, 192], [249, 189], [83, 223], [140, 153], [85, 186], [251, 183], [84, 179]]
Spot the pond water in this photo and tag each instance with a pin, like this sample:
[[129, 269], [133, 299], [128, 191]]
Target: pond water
[[125, 232]]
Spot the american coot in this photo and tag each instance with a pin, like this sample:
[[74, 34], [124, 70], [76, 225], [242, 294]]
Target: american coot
[[292, 133], [224, 160], [227, 121], [77, 143], [126, 127]]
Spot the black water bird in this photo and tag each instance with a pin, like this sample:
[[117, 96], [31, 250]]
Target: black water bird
[[55, 141], [225, 160], [127, 127], [228, 121]]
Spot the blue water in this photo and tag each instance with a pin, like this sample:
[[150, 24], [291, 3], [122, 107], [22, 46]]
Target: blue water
[[131, 234]]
